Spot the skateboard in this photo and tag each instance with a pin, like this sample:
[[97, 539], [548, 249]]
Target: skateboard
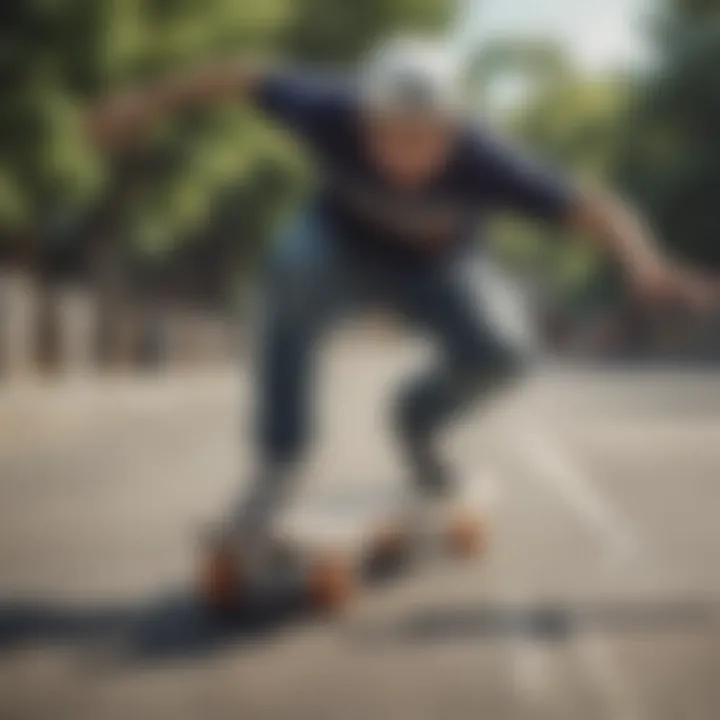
[[319, 558]]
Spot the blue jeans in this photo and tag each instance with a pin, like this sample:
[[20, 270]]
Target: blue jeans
[[314, 279]]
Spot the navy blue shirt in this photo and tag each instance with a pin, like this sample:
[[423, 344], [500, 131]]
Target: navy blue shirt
[[373, 217]]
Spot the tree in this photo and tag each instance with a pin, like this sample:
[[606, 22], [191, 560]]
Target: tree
[[538, 64], [337, 32], [671, 153], [60, 54]]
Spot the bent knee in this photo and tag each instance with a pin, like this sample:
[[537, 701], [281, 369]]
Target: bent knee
[[488, 369]]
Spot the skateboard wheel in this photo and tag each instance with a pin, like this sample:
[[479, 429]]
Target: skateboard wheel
[[331, 583], [466, 537], [219, 580]]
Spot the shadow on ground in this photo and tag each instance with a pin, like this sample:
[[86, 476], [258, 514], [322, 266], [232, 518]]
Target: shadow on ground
[[174, 627], [171, 627], [543, 622]]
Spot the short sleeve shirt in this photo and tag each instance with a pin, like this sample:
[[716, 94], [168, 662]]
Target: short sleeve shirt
[[483, 176]]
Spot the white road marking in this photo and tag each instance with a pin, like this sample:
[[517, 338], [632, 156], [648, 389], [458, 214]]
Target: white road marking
[[600, 665], [533, 672], [531, 663], [552, 465], [557, 470]]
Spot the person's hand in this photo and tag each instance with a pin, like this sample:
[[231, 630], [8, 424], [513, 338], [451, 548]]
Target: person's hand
[[657, 280], [123, 117], [120, 118]]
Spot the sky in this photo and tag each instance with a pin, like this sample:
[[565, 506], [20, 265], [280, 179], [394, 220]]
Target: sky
[[600, 34]]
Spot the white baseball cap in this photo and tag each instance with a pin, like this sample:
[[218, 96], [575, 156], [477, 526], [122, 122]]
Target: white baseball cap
[[412, 76]]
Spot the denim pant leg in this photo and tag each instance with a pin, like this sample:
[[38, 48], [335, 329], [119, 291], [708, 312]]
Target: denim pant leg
[[484, 337], [304, 292]]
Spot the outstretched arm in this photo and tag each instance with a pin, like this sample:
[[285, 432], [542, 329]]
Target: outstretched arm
[[621, 231], [118, 118], [606, 220]]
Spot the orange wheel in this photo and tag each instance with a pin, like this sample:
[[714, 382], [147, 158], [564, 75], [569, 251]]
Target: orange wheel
[[466, 537], [219, 580], [331, 583]]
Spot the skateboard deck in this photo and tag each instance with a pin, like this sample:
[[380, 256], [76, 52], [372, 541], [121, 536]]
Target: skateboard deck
[[324, 551]]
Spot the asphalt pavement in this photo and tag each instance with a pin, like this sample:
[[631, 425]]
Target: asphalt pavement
[[599, 596]]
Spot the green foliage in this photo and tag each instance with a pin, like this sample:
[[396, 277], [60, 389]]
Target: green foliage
[[576, 123], [328, 30], [58, 54], [655, 135], [671, 153], [61, 53], [539, 63]]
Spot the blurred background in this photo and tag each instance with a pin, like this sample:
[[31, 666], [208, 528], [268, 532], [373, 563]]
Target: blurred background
[[124, 314], [142, 259]]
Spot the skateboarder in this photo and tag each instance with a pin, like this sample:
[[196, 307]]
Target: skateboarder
[[407, 181]]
